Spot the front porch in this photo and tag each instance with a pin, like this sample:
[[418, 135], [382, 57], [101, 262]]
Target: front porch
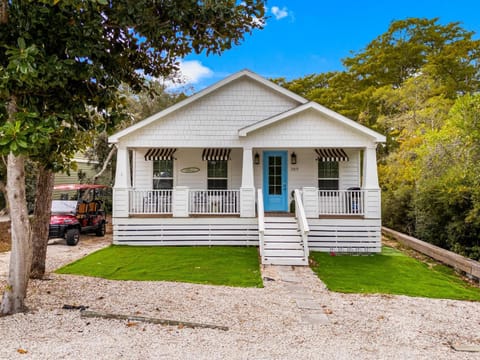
[[171, 197], [194, 202], [333, 221]]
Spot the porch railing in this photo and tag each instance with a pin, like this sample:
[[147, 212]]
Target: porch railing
[[341, 202], [219, 202], [150, 201]]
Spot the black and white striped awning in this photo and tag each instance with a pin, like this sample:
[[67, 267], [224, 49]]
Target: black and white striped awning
[[160, 154], [216, 154], [331, 155]]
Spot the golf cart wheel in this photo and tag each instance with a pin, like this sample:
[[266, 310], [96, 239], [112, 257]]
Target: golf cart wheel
[[101, 229], [72, 236]]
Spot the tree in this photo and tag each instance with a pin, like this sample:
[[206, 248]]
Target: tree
[[61, 63], [404, 84], [448, 196], [138, 106]]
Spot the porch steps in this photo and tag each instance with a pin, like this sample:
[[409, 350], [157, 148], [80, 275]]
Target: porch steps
[[282, 242]]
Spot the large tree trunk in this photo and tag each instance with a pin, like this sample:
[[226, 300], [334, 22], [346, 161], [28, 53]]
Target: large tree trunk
[[41, 221], [15, 292]]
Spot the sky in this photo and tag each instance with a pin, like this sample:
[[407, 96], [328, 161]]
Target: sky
[[303, 37]]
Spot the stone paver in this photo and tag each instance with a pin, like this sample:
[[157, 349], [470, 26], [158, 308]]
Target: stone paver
[[308, 304], [315, 319], [312, 311]]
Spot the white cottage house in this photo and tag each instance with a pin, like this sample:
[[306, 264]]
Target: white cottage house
[[247, 162]]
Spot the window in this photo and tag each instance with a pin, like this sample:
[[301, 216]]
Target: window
[[328, 175], [217, 174], [163, 174]]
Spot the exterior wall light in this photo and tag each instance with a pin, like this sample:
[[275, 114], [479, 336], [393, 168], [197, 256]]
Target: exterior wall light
[[256, 159], [293, 158]]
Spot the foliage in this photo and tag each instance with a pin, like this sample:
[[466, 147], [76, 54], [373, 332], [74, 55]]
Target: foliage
[[412, 83], [137, 106], [62, 63], [218, 265], [448, 198], [391, 272]]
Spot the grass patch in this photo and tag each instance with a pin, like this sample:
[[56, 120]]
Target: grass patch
[[219, 265], [391, 272]]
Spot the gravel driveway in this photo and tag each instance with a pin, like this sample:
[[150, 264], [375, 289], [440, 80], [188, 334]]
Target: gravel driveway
[[268, 323]]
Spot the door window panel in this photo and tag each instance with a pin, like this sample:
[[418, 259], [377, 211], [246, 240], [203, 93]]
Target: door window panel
[[275, 175]]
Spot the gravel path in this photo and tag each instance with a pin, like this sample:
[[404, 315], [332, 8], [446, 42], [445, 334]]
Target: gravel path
[[270, 323]]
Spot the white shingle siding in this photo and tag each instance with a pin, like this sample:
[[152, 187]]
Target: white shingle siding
[[307, 129], [214, 119], [143, 171], [350, 170]]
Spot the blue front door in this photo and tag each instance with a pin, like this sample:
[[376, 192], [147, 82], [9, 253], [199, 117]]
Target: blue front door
[[275, 185]]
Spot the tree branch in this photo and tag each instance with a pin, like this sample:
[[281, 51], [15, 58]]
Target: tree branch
[[105, 164]]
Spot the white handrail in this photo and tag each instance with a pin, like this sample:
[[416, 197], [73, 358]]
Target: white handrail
[[261, 220], [302, 221]]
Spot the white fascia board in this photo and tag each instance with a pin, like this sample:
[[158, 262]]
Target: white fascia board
[[244, 73], [379, 138]]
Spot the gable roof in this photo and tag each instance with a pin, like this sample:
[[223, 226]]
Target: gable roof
[[241, 74], [316, 107]]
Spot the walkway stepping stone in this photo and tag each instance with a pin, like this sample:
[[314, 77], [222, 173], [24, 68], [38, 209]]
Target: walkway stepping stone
[[308, 304], [315, 319]]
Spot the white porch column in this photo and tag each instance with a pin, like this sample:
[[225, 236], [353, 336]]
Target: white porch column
[[122, 184], [370, 174], [247, 190], [180, 200], [372, 200]]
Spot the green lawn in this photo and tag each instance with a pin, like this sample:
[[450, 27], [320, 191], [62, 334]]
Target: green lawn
[[391, 272], [219, 265]]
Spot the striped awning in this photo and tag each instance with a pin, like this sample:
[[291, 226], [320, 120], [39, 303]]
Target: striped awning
[[160, 154], [216, 154], [331, 155]]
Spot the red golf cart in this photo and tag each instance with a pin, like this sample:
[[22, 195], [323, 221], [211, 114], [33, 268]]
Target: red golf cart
[[77, 208]]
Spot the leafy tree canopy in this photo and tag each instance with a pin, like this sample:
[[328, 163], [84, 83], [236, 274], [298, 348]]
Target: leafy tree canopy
[[416, 83], [62, 61]]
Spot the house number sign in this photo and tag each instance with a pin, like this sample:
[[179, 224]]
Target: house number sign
[[189, 170]]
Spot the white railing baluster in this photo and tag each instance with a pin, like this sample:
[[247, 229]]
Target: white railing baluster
[[219, 202], [341, 202], [150, 201]]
